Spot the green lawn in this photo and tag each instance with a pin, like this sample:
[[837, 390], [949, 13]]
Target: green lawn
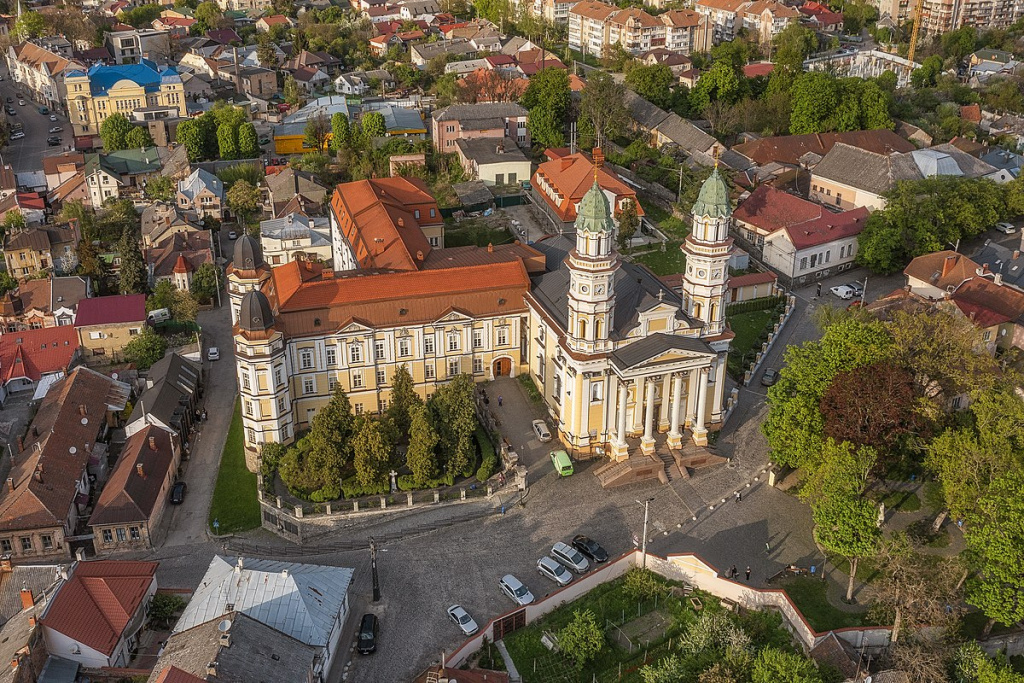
[[809, 596], [667, 262], [234, 503], [748, 328], [474, 232]]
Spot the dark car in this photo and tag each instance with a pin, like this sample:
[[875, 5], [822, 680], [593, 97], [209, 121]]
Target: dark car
[[53, 141], [367, 642], [591, 548], [178, 493], [770, 377]]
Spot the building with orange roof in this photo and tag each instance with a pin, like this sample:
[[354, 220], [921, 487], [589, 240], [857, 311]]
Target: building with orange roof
[[935, 275], [562, 182], [32, 356], [764, 18], [594, 26], [384, 223], [40, 65]]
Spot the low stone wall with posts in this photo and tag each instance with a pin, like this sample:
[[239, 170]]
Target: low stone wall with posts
[[772, 336]]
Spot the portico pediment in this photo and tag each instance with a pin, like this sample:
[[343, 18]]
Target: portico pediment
[[658, 350]]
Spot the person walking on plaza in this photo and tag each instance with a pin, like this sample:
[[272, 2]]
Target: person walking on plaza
[[748, 573], [499, 401]]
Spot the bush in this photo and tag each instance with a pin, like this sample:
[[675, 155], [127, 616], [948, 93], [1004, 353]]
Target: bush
[[581, 639], [351, 488], [642, 584], [407, 482], [327, 493], [764, 303], [488, 458]]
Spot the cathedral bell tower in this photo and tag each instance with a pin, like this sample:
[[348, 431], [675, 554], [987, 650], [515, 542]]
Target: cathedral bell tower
[[592, 267], [707, 250]]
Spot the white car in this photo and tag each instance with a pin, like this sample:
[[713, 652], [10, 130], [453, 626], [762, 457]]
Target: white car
[[213, 353], [1006, 228], [21, 103], [570, 557], [17, 135], [844, 292], [550, 569], [514, 588], [232, 235], [540, 428], [462, 619], [56, 129], [53, 117]]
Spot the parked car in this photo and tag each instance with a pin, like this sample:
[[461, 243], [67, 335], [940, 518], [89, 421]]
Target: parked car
[[1006, 228], [591, 548], [213, 353], [462, 619], [770, 377], [53, 141], [264, 140], [44, 110], [53, 117], [368, 629], [550, 569], [17, 135], [10, 111], [56, 129], [178, 493], [562, 463], [514, 588], [570, 557], [857, 287], [232, 235], [844, 292], [21, 103], [540, 428]]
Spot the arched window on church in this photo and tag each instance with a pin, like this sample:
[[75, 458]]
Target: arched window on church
[[583, 329], [714, 312], [598, 328], [697, 310]]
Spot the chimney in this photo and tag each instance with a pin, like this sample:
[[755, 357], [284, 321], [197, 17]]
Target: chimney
[[82, 410], [490, 247], [26, 598], [14, 663], [10, 484], [80, 554], [141, 472], [998, 279], [947, 265], [211, 669], [598, 157], [31, 622], [152, 443], [5, 564], [1016, 254], [419, 255], [38, 476], [312, 223], [401, 222]]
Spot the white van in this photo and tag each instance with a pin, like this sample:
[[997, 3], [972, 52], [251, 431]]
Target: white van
[[158, 316]]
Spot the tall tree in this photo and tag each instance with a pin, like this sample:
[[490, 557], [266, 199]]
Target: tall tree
[[205, 283], [208, 16], [773, 665], [372, 451], [317, 129], [339, 132], [402, 401], [792, 46], [628, 223], [421, 456], [114, 131], [89, 263], [331, 438], [184, 307], [653, 83], [719, 84], [603, 105], [292, 94], [133, 268], [547, 99], [227, 141], [145, 348], [374, 125], [243, 199], [29, 25], [137, 138], [189, 134], [248, 141], [455, 416]]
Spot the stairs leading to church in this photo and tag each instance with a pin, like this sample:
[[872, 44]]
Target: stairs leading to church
[[665, 455]]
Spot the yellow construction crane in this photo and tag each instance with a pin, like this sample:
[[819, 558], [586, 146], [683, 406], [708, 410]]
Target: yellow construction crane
[[918, 6]]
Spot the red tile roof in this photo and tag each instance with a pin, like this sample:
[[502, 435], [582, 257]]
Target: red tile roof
[[988, 304], [110, 310], [378, 218], [942, 269], [98, 601], [758, 69], [752, 279], [570, 177], [828, 227], [770, 209], [128, 495], [224, 36], [787, 149], [276, 20], [971, 112], [34, 353], [173, 674]]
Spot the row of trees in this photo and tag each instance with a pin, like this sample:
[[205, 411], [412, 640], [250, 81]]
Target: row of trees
[[221, 133], [871, 400], [429, 440]]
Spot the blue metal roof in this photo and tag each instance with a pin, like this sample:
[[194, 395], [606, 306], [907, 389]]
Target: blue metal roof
[[146, 74]]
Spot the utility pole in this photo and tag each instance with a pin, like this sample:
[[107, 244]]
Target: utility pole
[[373, 570], [643, 541]]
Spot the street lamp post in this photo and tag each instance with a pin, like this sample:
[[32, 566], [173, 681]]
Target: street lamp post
[[373, 570], [643, 541]]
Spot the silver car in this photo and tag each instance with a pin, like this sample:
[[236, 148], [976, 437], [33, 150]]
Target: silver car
[[570, 557], [550, 569], [462, 619], [514, 588], [540, 428]]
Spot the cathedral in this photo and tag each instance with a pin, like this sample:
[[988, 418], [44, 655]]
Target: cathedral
[[619, 357]]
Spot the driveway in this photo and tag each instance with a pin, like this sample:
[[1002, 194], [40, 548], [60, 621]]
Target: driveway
[[186, 523]]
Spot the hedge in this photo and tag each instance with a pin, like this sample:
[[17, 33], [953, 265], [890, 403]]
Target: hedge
[[351, 488], [488, 458], [763, 303], [407, 482]]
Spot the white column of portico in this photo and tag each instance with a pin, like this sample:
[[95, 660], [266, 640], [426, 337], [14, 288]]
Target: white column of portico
[[647, 442], [584, 419], [718, 407], [700, 432], [663, 413], [619, 447], [692, 380], [675, 436]]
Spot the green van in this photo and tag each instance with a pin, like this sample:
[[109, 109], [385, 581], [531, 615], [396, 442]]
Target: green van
[[562, 463]]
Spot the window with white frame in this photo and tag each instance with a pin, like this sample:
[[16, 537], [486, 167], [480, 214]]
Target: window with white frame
[[453, 367], [332, 383], [306, 359], [245, 381], [428, 344], [248, 408], [478, 339], [355, 353], [502, 336], [379, 350], [308, 385], [382, 377], [404, 348], [596, 392], [280, 404], [278, 376], [382, 405], [358, 408], [478, 366], [357, 380], [453, 342], [332, 356], [428, 371]]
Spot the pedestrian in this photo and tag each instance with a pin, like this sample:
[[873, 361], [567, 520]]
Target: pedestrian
[[819, 291], [748, 573], [733, 572], [739, 497], [499, 401]]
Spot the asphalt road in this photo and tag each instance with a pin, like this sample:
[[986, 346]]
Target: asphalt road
[[26, 154]]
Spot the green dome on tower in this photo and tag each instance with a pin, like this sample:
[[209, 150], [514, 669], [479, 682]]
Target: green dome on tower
[[713, 199], [594, 213]]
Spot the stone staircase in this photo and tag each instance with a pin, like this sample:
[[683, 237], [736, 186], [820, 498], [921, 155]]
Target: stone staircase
[[665, 455]]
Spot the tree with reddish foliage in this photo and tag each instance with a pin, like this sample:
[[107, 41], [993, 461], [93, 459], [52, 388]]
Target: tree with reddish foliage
[[875, 405]]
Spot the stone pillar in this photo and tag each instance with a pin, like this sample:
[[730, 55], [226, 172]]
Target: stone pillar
[[675, 435], [619, 448], [663, 412], [647, 442], [691, 398], [383, 503], [640, 389], [408, 498], [437, 496], [700, 432], [462, 494], [298, 511], [279, 502], [328, 508], [355, 506], [718, 406]]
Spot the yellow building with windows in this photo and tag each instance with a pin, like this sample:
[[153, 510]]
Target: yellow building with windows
[[143, 88]]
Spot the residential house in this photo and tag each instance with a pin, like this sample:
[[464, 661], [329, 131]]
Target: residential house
[[235, 647], [255, 7], [763, 18], [170, 399], [1007, 162], [421, 53], [296, 236], [161, 220], [468, 121], [821, 17], [47, 490], [304, 601], [800, 240], [31, 357], [31, 205], [587, 26], [202, 193], [560, 184], [130, 47], [789, 150], [175, 27], [849, 177], [675, 61], [943, 16], [121, 173], [28, 251], [8, 181], [98, 611], [131, 505], [290, 184], [359, 82], [495, 162], [43, 302], [40, 66], [991, 62], [936, 275], [224, 36], [106, 323], [310, 78], [1006, 261], [254, 81], [381, 13], [994, 308], [390, 223], [410, 10], [264, 24], [404, 122], [177, 256], [61, 168]]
